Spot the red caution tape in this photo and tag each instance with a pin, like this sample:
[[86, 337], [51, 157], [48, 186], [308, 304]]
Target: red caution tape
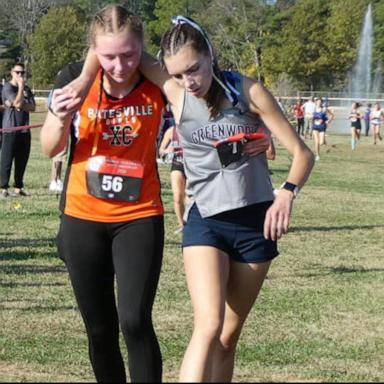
[[20, 128]]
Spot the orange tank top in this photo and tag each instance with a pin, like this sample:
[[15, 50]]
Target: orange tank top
[[127, 129]]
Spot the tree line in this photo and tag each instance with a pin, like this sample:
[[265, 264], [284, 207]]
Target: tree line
[[303, 44]]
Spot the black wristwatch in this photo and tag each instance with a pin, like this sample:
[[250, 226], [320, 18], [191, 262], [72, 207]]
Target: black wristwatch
[[290, 187]]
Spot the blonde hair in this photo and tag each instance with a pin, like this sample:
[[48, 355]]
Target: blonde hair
[[113, 19]]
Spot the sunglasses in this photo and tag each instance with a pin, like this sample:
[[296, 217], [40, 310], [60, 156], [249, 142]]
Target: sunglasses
[[19, 72]]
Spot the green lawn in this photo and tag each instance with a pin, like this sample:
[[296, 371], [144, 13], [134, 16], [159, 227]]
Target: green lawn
[[320, 314]]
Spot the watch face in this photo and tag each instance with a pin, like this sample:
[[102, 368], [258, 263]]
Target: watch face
[[291, 187]]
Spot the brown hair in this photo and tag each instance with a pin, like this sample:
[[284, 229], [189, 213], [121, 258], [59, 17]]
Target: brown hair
[[18, 64], [180, 35], [113, 19]]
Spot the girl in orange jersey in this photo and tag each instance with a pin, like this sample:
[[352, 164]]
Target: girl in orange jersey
[[112, 214]]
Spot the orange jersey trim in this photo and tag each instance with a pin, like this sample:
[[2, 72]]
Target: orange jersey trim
[[126, 128]]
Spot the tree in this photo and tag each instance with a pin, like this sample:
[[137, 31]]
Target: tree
[[56, 43], [298, 48], [237, 29], [22, 16], [163, 12]]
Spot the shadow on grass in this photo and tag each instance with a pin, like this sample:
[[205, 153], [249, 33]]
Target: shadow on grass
[[341, 270], [20, 269], [24, 255], [18, 284], [173, 243], [354, 270], [42, 308], [8, 243], [334, 228], [9, 248]]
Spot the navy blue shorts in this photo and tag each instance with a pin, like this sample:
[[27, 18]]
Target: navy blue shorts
[[319, 129], [238, 232]]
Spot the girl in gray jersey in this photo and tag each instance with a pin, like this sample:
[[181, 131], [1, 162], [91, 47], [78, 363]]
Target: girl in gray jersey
[[233, 219]]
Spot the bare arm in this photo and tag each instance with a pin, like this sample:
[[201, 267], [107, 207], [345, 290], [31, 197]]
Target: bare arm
[[19, 99], [264, 104], [80, 86], [153, 71]]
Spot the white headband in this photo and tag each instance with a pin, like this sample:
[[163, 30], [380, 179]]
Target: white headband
[[226, 85]]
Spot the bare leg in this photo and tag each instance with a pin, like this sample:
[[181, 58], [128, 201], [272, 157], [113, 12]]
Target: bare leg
[[178, 190], [353, 138], [244, 284], [56, 170], [206, 271], [375, 130], [316, 139]]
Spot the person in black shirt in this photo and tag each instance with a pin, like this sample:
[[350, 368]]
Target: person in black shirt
[[19, 102]]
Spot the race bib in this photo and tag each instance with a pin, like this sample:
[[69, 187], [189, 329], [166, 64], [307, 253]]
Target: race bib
[[230, 149], [114, 178]]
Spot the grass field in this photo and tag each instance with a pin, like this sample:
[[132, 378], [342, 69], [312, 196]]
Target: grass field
[[320, 315]]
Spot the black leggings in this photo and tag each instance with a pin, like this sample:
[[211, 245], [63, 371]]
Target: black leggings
[[94, 253], [300, 125], [16, 147]]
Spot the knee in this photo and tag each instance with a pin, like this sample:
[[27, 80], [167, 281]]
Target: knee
[[135, 324], [228, 343], [209, 329], [102, 336]]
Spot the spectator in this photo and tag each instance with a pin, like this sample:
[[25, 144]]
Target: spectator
[[309, 108], [367, 113], [19, 102], [298, 110]]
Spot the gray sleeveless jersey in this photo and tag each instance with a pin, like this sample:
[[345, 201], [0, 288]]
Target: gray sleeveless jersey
[[216, 189]]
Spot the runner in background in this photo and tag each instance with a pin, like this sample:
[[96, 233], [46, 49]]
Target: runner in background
[[355, 117], [319, 126], [170, 150], [57, 162], [377, 118]]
